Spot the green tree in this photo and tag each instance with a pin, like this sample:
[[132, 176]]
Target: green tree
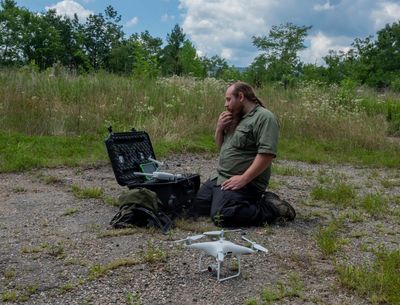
[[138, 55], [257, 74], [101, 35], [385, 56], [13, 21], [215, 66], [170, 55], [42, 42], [280, 51], [188, 60], [70, 32]]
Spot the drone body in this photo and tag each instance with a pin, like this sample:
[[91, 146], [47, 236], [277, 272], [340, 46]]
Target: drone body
[[219, 249]]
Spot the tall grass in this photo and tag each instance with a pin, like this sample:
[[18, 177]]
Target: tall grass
[[318, 124], [44, 104], [329, 114]]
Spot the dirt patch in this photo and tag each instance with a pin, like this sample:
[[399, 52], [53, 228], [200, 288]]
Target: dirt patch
[[59, 249]]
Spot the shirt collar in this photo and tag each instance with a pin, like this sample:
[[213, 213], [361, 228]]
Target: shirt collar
[[251, 112]]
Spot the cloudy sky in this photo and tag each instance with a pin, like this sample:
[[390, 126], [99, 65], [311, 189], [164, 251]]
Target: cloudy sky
[[225, 27]]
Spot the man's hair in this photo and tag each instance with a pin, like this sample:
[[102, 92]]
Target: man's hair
[[247, 90]]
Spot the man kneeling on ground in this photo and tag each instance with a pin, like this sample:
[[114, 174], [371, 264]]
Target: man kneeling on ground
[[247, 136]]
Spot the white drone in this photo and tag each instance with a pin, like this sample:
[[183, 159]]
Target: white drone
[[219, 249]]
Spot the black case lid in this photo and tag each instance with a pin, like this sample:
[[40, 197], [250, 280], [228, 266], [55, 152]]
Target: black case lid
[[127, 150]]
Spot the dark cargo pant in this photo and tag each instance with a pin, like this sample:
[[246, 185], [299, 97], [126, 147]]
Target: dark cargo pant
[[231, 208]]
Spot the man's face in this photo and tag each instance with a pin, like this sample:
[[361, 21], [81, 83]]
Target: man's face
[[233, 103]]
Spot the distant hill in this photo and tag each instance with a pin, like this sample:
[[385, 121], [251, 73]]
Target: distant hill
[[241, 69]]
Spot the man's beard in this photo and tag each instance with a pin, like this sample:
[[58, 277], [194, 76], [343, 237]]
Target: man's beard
[[236, 117]]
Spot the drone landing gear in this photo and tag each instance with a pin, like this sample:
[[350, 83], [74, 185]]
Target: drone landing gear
[[216, 268]]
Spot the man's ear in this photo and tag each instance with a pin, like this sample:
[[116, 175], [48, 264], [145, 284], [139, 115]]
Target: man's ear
[[241, 96]]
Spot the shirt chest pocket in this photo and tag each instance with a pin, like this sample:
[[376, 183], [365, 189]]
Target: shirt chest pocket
[[243, 138]]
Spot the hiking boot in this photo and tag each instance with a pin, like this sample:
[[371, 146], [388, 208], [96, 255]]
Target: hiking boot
[[286, 211], [281, 208]]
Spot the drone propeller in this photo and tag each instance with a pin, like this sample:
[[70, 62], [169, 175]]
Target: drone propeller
[[191, 238], [219, 233], [255, 245]]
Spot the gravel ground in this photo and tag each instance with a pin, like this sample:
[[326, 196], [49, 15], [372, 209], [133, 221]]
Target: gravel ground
[[55, 247]]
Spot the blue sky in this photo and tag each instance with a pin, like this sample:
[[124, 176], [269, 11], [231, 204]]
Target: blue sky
[[225, 27]]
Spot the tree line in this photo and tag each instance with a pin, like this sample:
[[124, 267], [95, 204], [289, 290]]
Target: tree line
[[98, 43]]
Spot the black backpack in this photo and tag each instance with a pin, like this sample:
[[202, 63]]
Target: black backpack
[[141, 207]]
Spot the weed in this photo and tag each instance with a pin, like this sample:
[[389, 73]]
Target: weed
[[218, 219], [44, 222], [133, 298], [19, 189], [341, 194], [153, 254], [293, 288], [389, 183], [9, 273], [70, 211], [250, 301], [47, 179], [374, 204], [26, 249], [98, 270], [110, 200], [378, 282], [9, 296], [355, 216], [85, 193], [327, 238], [93, 227], [56, 250], [67, 287], [269, 295]]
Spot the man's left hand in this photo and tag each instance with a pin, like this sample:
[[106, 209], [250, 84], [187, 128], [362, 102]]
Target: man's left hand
[[234, 183]]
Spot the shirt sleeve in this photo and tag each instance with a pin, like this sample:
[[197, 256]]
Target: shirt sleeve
[[267, 134]]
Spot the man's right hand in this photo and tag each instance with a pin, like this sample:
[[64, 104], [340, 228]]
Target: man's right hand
[[225, 120]]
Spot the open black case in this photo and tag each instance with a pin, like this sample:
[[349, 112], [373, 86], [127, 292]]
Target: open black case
[[129, 153]]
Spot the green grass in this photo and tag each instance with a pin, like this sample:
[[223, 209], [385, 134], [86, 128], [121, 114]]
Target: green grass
[[379, 282], [327, 237], [340, 193], [85, 193], [21, 152], [70, 211], [320, 151], [52, 121], [99, 270], [292, 289], [375, 204]]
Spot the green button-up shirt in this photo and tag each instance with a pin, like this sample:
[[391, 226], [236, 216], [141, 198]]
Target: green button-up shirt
[[256, 133]]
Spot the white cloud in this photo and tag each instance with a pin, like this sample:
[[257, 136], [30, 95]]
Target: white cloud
[[166, 18], [132, 22], [388, 12], [323, 7], [320, 44], [225, 27], [69, 8]]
